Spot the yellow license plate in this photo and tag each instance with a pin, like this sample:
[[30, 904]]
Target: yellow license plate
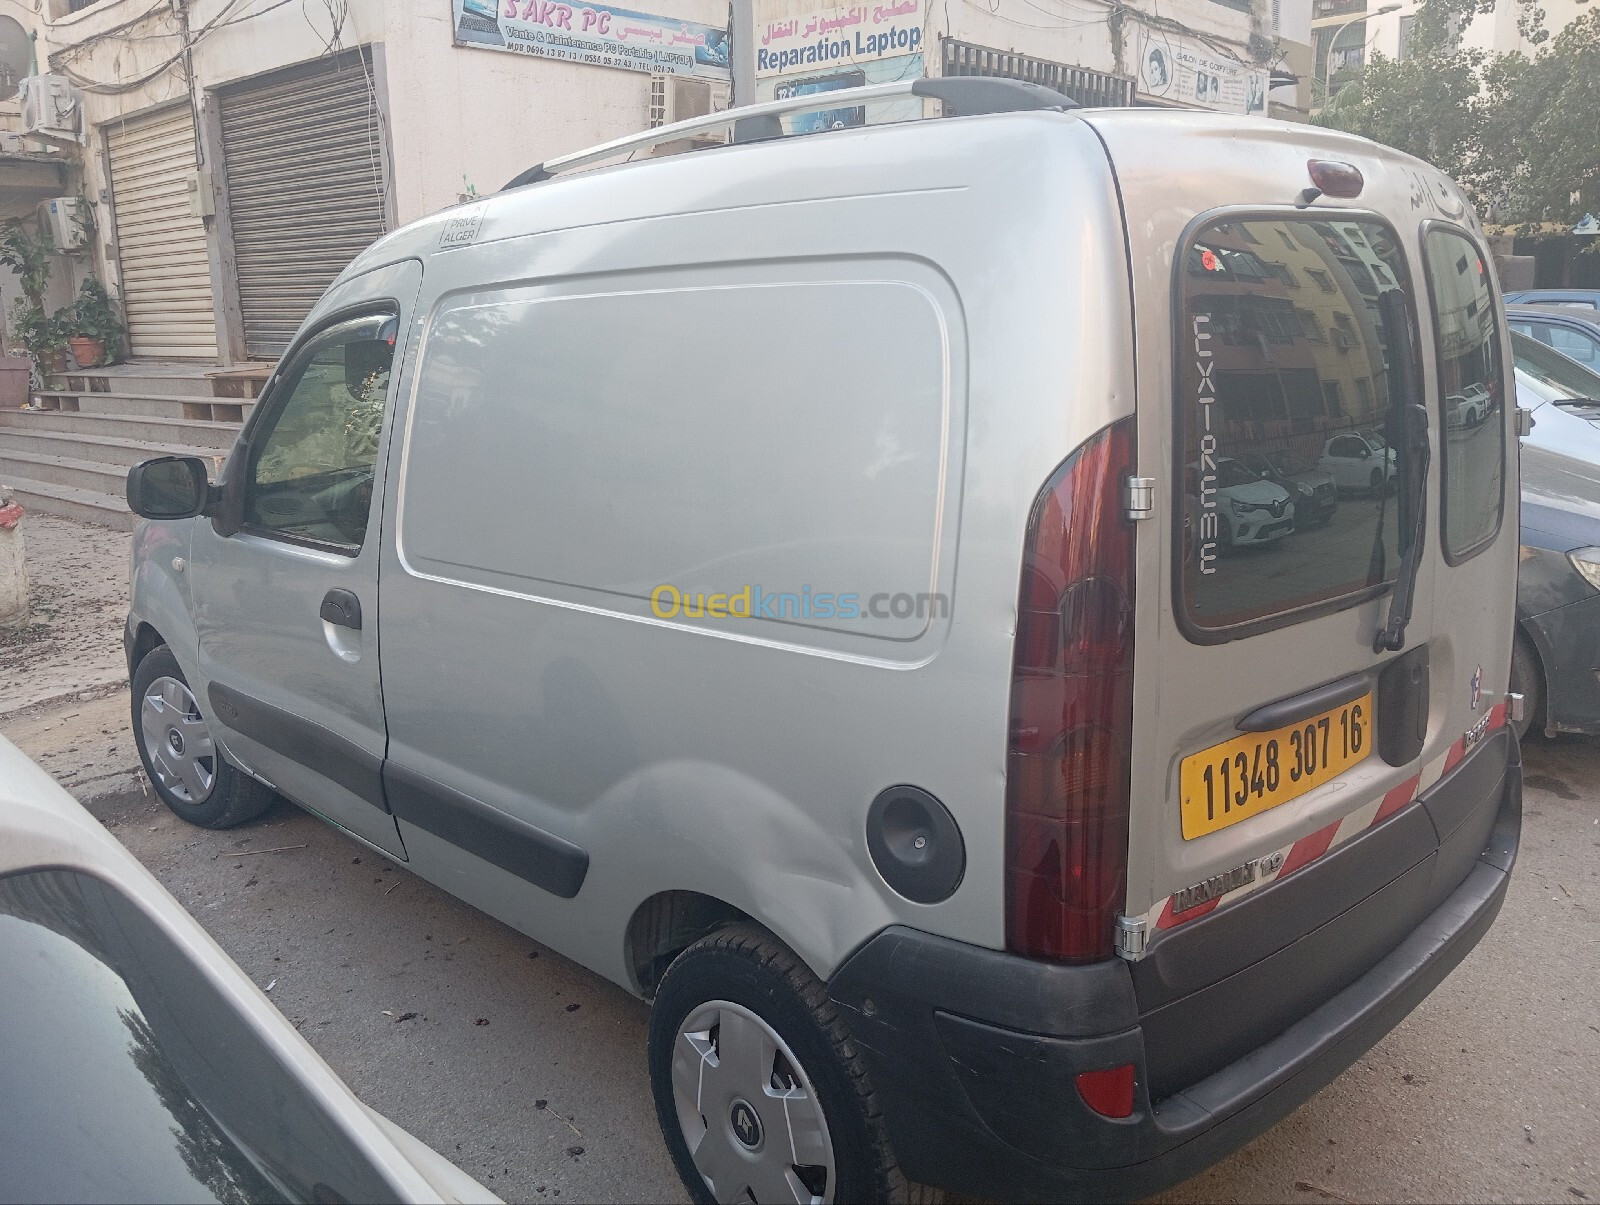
[[1249, 774]]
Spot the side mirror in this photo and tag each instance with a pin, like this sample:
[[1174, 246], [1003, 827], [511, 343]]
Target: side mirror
[[168, 487]]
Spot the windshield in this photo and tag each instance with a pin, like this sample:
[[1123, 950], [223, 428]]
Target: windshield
[[1231, 472], [1561, 377]]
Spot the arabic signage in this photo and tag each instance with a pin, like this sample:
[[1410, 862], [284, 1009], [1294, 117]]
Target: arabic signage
[[1185, 71], [802, 48], [597, 34], [825, 37]]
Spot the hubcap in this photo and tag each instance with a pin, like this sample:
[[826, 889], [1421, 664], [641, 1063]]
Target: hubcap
[[750, 1117], [176, 739]]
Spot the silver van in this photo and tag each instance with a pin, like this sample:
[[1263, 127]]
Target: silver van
[[795, 580]]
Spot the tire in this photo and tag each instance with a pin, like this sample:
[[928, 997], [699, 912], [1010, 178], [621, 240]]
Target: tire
[[1527, 679], [738, 998], [186, 768], [1375, 482]]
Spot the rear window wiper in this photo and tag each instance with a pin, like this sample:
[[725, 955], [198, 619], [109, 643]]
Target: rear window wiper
[[1410, 421]]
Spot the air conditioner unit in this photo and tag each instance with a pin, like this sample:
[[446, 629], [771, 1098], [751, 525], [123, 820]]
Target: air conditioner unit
[[680, 97], [52, 109], [65, 219]]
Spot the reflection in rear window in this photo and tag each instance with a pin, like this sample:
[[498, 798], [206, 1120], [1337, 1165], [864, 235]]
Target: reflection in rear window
[[1471, 380], [1292, 494]]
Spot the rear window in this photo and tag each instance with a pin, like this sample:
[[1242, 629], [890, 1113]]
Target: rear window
[[1289, 488], [1472, 389]]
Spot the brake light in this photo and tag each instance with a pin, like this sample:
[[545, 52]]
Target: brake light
[[1071, 724]]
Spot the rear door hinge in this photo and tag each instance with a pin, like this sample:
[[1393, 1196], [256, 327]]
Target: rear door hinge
[[1139, 497], [1524, 423], [1131, 936]]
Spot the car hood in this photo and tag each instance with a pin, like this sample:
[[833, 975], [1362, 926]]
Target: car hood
[[1262, 493], [1560, 497]]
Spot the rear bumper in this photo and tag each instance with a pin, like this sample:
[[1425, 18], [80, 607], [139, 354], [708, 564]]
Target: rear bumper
[[973, 1052]]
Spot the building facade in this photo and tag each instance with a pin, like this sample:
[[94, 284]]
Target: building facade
[[235, 154]]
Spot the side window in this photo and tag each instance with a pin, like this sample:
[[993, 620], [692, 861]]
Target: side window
[[1573, 343], [1471, 389], [311, 463]]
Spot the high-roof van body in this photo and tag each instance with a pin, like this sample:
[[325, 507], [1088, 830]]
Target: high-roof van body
[[796, 581]]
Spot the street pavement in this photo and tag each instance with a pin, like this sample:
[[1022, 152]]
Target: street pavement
[[529, 1071]]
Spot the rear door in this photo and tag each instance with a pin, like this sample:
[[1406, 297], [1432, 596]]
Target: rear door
[[1274, 720], [1293, 338]]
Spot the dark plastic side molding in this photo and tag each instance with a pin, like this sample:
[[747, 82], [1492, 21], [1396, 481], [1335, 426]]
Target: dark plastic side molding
[[312, 745], [543, 859]]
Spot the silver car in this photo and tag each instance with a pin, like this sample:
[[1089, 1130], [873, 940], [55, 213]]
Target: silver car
[[768, 575]]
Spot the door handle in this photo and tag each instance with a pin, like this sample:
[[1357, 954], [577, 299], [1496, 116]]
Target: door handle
[[343, 608]]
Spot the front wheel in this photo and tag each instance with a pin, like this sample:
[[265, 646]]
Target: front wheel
[[1375, 482], [1527, 681], [759, 1090], [185, 765]]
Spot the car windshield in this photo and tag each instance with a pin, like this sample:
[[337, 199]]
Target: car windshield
[[1565, 377], [1231, 472]]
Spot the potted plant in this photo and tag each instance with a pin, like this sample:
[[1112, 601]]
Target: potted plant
[[96, 331], [33, 328]]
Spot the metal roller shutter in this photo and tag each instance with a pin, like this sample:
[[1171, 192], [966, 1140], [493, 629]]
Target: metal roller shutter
[[161, 246], [304, 165]]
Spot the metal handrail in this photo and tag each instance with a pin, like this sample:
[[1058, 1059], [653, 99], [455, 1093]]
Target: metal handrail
[[967, 95]]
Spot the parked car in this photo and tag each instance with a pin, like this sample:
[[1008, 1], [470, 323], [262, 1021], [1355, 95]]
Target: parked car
[[1316, 494], [1557, 648], [1576, 298], [1253, 510], [138, 1063], [1570, 330], [664, 660], [1359, 462], [1563, 397]]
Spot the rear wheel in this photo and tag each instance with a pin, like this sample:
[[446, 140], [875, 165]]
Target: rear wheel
[[185, 765], [1527, 680], [760, 1093]]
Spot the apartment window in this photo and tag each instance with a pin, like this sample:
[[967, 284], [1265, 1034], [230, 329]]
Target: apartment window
[[1284, 275], [1405, 36], [1324, 281], [1311, 325]]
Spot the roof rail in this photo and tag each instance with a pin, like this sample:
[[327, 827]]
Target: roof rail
[[964, 96]]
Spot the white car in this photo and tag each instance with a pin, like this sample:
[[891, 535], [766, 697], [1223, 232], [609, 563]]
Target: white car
[[1469, 407], [1563, 396], [1358, 462], [142, 1063], [1254, 511]]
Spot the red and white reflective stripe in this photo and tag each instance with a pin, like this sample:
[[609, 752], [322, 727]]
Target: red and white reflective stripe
[[1312, 846]]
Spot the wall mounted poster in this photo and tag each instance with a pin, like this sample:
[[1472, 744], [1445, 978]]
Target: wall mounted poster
[[597, 34], [803, 49], [1188, 72]]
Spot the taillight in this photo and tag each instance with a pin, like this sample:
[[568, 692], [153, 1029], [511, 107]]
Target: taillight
[[1072, 711]]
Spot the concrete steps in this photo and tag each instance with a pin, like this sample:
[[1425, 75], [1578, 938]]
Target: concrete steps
[[152, 405], [86, 506], [72, 456]]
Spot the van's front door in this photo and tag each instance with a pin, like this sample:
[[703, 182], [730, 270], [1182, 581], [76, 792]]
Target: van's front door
[[287, 605]]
